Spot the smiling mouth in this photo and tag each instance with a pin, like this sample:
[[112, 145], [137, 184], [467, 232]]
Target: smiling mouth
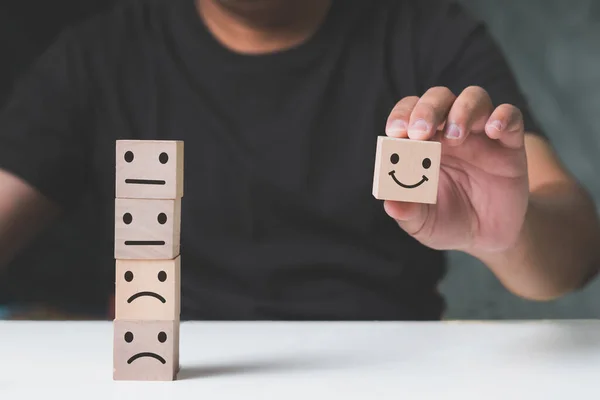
[[145, 182], [150, 294], [393, 175], [151, 355]]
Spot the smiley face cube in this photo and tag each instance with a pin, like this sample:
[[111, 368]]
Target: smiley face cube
[[148, 289], [147, 169], [147, 229], [407, 170], [145, 350]]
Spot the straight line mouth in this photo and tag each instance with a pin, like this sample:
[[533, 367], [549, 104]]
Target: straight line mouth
[[144, 243], [145, 182]]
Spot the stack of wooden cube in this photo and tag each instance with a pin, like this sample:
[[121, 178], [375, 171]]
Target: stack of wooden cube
[[149, 189]]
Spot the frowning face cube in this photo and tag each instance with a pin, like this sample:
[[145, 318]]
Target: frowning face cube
[[147, 229], [145, 350], [149, 169], [148, 289]]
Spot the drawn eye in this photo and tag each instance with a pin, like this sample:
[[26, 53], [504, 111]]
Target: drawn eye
[[128, 337], [162, 218], [163, 158], [128, 276], [162, 276], [128, 156], [395, 158], [426, 163], [127, 218], [162, 337]]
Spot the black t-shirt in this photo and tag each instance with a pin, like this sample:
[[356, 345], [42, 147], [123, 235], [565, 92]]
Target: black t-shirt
[[278, 220]]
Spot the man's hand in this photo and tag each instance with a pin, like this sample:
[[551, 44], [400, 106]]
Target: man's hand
[[24, 212], [483, 185], [503, 196]]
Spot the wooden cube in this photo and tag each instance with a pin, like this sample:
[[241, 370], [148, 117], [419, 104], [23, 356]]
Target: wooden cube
[[177, 344], [148, 289], [407, 170], [147, 229], [145, 350], [147, 169]]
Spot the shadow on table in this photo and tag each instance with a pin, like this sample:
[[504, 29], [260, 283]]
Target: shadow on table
[[562, 338], [267, 366]]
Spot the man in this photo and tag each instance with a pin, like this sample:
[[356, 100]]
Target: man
[[280, 103]]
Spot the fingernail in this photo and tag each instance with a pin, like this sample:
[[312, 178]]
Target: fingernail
[[396, 127], [453, 132], [496, 125], [418, 129]]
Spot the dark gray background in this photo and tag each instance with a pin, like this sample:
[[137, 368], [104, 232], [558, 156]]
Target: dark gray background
[[554, 48]]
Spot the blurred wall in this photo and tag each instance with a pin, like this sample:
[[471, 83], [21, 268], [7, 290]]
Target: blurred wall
[[554, 48]]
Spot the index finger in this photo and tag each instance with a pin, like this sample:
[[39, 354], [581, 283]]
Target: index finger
[[397, 123]]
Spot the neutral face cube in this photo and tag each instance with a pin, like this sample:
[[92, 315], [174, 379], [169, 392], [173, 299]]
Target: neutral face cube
[[147, 229], [147, 169], [145, 350], [148, 289], [407, 170]]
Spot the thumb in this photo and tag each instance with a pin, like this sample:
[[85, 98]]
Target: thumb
[[410, 216]]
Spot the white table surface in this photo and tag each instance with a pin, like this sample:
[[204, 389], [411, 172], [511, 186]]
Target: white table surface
[[285, 361]]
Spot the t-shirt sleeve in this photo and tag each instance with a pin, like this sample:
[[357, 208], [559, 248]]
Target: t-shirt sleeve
[[43, 139], [456, 50]]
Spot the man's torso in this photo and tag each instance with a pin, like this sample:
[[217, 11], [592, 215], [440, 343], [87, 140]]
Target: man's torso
[[278, 220]]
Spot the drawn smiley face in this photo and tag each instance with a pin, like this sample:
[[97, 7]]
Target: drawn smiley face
[[406, 170], [149, 169], [395, 159], [148, 289], [145, 350]]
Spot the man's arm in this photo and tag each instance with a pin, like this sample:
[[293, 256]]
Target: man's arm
[[43, 144], [559, 247], [24, 212]]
